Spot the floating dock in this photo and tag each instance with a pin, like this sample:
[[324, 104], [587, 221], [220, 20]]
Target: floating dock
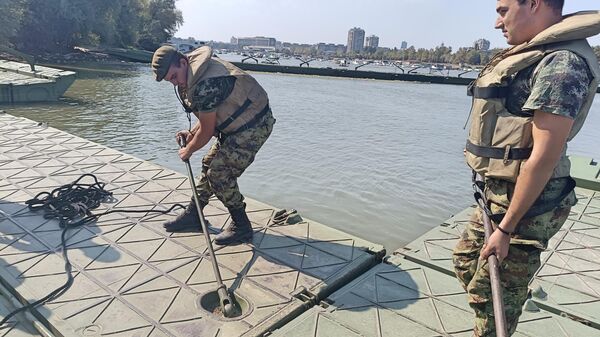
[[569, 276], [404, 298], [133, 279], [19, 83], [350, 73]]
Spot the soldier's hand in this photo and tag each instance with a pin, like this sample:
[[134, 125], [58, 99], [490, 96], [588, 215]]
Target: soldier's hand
[[186, 134], [497, 244], [185, 153]]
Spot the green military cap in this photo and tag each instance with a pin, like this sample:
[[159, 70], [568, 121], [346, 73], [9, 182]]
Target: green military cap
[[161, 61]]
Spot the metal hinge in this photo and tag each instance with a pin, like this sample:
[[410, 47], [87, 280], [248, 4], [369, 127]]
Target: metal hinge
[[304, 295]]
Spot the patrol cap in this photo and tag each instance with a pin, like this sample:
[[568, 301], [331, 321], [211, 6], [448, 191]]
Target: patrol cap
[[161, 61]]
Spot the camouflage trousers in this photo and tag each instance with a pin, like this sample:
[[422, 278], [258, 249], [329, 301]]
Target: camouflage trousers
[[518, 268], [227, 159]]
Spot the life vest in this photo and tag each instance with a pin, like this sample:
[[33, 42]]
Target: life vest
[[247, 102], [500, 141]]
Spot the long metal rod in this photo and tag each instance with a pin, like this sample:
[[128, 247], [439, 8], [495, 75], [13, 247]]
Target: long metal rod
[[497, 299], [224, 296]]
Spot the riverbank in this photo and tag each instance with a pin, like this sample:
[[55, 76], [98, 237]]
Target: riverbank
[[119, 61]]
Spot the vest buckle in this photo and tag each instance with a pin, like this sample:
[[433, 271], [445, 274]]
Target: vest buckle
[[470, 89], [506, 154]]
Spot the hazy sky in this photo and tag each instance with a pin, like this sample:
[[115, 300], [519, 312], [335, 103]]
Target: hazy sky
[[422, 23]]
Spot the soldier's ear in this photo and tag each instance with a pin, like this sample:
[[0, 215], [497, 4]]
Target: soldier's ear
[[183, 62]]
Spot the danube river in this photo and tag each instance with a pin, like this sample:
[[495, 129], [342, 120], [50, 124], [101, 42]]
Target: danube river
[[381, 160]]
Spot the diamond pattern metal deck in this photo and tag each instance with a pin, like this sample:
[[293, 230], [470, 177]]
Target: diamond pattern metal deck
[[131, 277], [570, 271], [403, 298], [17, 326]]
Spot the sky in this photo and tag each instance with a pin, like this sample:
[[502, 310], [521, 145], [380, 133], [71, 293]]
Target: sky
[[422, 23]]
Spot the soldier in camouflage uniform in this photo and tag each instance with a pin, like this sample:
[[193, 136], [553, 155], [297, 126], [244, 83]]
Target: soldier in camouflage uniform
[[550, 96], [230, 106]]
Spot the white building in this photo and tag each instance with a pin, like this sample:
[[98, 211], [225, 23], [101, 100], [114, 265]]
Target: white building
[[185, 45], [256, 42]]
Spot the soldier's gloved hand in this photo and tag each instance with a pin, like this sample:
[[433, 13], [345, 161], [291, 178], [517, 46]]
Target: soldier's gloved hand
[[186, 134]]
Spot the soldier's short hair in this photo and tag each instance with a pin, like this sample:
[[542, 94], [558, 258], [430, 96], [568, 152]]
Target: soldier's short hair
[[177, 58], [557, 5]]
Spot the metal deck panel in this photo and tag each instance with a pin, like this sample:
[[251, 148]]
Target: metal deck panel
[[586, 172], [570, 271], [16, 326], [131, 277], [403, 298]]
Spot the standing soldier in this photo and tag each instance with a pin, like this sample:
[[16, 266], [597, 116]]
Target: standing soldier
[[527, 103], [231, 106]]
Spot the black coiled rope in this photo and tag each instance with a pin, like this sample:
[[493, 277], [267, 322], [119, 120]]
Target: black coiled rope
[[71, 205]]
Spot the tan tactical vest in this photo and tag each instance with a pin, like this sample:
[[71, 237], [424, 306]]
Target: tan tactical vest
[[247, 101], [500, 141]]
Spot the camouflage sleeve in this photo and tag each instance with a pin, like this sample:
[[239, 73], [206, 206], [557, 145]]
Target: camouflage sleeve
[[561, 84], [211, 92]]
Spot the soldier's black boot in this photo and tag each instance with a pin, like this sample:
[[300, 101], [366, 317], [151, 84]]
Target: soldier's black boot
[[239, 231], [187, 220]]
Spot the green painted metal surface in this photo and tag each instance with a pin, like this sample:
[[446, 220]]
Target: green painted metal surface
[[131, 277], [18, 326], [404, 298], [570, 271], [19, 83], [586, 171]]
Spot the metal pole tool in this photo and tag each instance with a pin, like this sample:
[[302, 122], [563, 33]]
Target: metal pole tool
[[497, 300], [224, 297]]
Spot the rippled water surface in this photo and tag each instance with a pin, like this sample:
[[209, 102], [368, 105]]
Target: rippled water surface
[[378, 159]]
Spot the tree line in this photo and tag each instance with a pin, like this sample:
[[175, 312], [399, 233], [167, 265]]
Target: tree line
[[439, 54], [55, 26]]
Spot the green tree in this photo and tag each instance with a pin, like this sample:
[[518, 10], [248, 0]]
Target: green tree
[[474, 57], [10, 20], [159, 23], [58, 25]]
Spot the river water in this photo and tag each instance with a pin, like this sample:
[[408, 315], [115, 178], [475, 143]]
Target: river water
[[378, 159]]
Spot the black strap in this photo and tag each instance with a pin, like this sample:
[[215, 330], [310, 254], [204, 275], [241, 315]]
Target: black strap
[[487, 92], [506, 153], [235, 115], [539, 207], [248, 125]]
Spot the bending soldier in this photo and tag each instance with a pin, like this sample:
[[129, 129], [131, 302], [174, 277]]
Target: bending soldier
[[231, 106], [528, 102]]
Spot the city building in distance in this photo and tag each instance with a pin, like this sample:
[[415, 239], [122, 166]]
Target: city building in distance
[[372, 41], [256, 42], [185, 45], [481, 44], [330, 48], [356, 40]]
